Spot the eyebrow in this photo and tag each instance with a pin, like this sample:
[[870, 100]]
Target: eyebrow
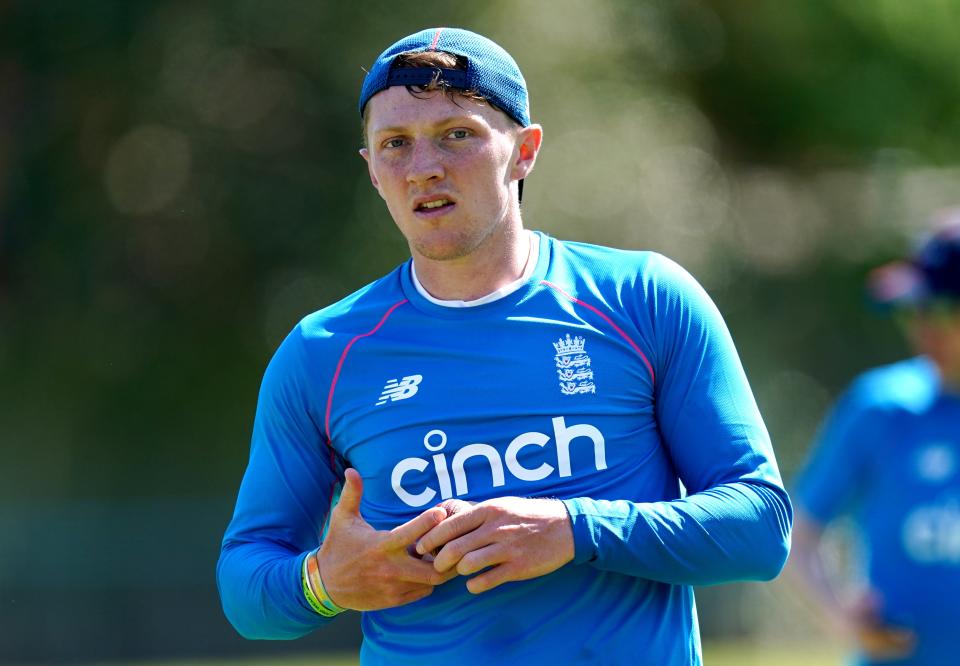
[[399, 129]]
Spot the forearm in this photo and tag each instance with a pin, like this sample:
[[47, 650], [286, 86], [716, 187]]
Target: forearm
[[808, 573], [260, 588], [733, 531]]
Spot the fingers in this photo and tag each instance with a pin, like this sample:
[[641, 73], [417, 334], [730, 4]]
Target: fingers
[[406, 534], [418, 571], [462, 522], [492, 578], [481, 558], [352, 493], [453, 506], [454, 551], [886, 642]]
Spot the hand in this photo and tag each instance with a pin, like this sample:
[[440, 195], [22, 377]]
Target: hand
[[877, 639], [366, 569], [517, 538]]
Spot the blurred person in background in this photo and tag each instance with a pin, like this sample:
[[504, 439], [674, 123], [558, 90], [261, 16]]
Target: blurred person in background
[[889, 454], [539, 446]]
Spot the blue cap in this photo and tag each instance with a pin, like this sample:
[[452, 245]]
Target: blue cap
[[933, 274], [490, 70]]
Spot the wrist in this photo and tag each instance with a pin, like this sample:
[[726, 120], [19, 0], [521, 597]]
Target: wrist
[[585, 545], [314, 590]]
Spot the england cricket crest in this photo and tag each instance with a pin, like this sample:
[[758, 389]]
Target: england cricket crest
[[573, 366]]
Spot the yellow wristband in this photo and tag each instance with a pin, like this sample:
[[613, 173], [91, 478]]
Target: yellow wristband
[[314, 583], [308, 593]]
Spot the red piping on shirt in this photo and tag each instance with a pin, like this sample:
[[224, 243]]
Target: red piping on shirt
[[436, 38], [607, 319], [343, 357]]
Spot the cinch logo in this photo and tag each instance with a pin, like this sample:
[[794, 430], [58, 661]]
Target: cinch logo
[[936, 463], [435, 440], [931, 533], [400, 390]]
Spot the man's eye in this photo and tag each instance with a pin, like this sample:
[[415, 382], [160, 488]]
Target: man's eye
[[458, 134], [393, 143]]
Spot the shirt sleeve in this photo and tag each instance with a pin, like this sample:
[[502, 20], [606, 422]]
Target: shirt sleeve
[[734, 522], [839, 465], [284, 499]]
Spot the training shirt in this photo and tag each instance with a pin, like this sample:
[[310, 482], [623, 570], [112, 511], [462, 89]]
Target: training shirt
[[890, 455], [608, 379]]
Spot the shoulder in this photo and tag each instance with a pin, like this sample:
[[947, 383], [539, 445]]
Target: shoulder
[[355, 313], [656, 293], [320, 335], [645, 270], [910, 385], [599, 259]]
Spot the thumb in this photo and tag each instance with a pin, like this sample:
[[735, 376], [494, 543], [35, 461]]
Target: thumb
[[351, 494]]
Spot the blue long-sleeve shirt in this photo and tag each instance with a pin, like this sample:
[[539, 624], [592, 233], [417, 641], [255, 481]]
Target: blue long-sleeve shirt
[[607, 379], [889, 456]]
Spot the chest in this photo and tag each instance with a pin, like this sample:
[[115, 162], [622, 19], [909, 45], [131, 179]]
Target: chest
[[534, 406], [912, 500], [918, 459]]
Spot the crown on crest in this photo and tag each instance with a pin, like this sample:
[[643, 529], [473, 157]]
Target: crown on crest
[[569, 345]]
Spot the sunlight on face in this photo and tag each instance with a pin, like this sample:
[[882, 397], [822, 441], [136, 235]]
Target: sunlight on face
[[445, 168], [935, 332]]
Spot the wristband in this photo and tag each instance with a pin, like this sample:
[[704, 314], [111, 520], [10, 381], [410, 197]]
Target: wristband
[[314, 591], [315, 604]]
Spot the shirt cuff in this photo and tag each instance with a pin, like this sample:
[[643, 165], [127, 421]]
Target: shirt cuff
[[584, 544]]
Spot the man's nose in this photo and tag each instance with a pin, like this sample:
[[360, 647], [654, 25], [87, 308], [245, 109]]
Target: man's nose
[[425, 163]]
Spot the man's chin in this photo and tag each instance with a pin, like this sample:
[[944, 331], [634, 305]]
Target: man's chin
[[442, 249]]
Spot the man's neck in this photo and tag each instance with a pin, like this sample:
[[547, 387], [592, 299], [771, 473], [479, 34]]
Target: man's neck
[[950, 384], [495, 264], [949, 377]]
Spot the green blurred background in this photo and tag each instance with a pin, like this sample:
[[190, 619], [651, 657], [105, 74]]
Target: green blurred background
[[179, 184]]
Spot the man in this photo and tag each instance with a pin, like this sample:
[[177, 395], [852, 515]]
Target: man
[[507, 418], [890, 454]]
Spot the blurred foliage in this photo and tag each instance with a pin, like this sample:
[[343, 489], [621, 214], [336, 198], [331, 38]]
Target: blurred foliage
[[820, 82], [179, 184]]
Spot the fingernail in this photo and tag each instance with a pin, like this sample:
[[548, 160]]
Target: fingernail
[[420, 549]]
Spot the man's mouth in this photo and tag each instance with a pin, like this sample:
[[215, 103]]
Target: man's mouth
[[433, 205]]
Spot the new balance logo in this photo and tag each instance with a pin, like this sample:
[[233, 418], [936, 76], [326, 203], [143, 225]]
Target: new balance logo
[[400, 389]]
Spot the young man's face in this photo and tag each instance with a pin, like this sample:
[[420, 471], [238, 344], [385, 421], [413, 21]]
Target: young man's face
[[935, 332], [445, 168]]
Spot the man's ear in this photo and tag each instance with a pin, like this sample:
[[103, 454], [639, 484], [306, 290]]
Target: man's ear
[[365, 154], [529, 140]]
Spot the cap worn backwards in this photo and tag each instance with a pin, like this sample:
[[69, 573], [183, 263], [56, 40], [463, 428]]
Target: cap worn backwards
[[932, 274], [490, 70]]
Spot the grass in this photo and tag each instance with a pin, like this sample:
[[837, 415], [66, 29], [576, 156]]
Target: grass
[[714, 654], [745, 654]]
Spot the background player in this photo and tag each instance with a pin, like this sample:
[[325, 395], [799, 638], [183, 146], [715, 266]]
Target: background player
[[890, 454], [496, 368]]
